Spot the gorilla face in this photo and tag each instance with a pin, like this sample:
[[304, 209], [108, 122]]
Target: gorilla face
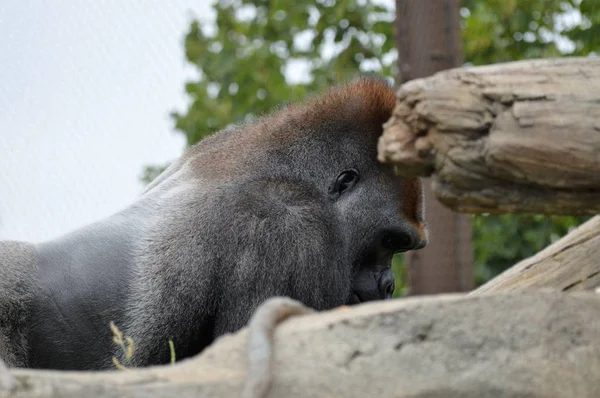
[[382, 215]]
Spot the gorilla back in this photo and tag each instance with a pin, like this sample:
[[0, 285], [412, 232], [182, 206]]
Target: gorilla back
[[295, 204]]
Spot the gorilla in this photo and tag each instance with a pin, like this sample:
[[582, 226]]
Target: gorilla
[[294, 204]]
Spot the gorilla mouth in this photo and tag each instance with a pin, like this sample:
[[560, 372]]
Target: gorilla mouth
[[372, 283]]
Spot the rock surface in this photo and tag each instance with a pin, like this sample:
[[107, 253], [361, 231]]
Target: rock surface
[[522, 344]]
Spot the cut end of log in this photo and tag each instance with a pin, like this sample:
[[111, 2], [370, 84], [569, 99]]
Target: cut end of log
[[513, 137], [400, 146]]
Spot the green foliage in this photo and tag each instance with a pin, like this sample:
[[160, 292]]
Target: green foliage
[[507, 30], [242, 64], [400, 274], [502, 240], [586, 35]]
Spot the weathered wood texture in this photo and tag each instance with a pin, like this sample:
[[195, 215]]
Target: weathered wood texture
[[514, 137], [572, 263], [526, 344]]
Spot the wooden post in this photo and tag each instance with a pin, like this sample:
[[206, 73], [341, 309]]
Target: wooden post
[[428, 40]]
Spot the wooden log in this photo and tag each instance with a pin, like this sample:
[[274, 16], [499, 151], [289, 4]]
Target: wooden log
[[514, 137], [571, 263]]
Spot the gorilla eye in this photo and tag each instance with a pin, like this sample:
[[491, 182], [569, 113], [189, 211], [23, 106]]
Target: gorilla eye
[[344, 181]]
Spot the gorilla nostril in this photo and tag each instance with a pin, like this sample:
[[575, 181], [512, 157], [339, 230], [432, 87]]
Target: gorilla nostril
[[396, 241]]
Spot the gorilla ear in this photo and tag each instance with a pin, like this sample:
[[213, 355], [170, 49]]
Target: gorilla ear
[[343, 182]]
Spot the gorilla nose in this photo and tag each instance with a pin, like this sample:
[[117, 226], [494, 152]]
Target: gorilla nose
[[386, 284]]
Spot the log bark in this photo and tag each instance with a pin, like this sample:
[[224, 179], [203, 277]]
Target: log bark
[[514, 137], [527, 344], [572, 263]]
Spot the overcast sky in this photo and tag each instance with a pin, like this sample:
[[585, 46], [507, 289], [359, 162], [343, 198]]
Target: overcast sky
[[85, 93]]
